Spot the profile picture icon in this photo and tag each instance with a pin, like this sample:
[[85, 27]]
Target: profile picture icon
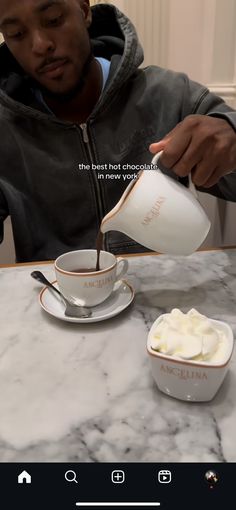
[[211, 478]]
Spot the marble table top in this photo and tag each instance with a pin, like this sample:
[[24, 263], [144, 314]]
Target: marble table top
[[84, 392]]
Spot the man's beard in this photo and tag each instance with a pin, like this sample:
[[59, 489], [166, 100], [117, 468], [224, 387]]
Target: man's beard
[[64, 97]]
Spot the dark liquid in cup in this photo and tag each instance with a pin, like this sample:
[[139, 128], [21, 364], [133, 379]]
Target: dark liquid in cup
[[82, 270]]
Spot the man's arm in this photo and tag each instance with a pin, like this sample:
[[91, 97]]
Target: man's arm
[[204, 143]]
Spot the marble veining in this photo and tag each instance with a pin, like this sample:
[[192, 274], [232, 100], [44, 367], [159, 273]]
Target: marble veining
[[75, 393]]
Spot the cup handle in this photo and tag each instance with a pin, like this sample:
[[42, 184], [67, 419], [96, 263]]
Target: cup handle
[[191, 186], [122, 268], [156, 157]]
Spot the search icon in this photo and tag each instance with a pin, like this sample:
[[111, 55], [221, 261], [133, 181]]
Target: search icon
[[70, 476]]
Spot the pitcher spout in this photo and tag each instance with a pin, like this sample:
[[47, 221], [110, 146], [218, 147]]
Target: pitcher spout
[[108, 222], [113, 220]]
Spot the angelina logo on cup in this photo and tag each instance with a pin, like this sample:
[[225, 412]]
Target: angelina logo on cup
[[79, 281], [183, 374]]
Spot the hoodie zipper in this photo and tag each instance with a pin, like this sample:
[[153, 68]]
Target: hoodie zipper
[[92, 159]]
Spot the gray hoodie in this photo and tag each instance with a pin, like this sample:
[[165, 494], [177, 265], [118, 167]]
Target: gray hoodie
[[55, 202]]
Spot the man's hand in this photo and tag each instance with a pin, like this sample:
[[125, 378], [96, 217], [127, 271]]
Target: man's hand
[[202, 145]]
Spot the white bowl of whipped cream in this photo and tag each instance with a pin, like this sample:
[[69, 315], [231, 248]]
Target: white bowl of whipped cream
[[189, 354]]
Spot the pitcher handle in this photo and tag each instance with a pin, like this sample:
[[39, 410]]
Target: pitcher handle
[[122, 268], [191, 186]]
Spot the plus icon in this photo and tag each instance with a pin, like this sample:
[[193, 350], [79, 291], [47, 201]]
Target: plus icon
[[118, 476]]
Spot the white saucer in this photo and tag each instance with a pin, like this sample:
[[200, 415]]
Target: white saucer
[[121, 297]]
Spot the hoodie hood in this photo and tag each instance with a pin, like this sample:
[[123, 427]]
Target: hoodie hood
[[113, 37]]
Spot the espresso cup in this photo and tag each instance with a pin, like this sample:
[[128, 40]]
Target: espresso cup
[[91, 287]]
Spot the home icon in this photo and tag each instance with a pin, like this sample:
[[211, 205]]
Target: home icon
[[24, 477]]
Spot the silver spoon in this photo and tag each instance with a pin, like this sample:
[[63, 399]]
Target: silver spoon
[[71, 310]]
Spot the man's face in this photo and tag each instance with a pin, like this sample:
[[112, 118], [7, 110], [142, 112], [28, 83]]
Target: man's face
[[49, 39]]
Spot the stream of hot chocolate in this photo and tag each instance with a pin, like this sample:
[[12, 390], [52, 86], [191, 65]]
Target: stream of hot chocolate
[[99, 244]]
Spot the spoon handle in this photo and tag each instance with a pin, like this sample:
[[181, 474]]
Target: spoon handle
[[37, 275], [71, 309]]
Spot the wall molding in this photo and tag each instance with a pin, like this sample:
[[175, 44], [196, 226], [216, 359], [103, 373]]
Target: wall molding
[[225, 90]]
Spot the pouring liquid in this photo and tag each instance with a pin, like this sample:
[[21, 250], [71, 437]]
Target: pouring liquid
[[99, 244]]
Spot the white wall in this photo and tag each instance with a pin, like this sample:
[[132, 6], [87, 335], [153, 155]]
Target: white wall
[[194, 36]]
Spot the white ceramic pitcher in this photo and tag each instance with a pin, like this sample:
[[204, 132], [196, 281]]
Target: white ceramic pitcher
[[160, 214]]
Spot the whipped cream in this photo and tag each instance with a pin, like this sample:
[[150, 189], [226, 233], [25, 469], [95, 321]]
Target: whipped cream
[[190, 336]]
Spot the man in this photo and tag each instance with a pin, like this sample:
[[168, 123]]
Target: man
[[77, 113]]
